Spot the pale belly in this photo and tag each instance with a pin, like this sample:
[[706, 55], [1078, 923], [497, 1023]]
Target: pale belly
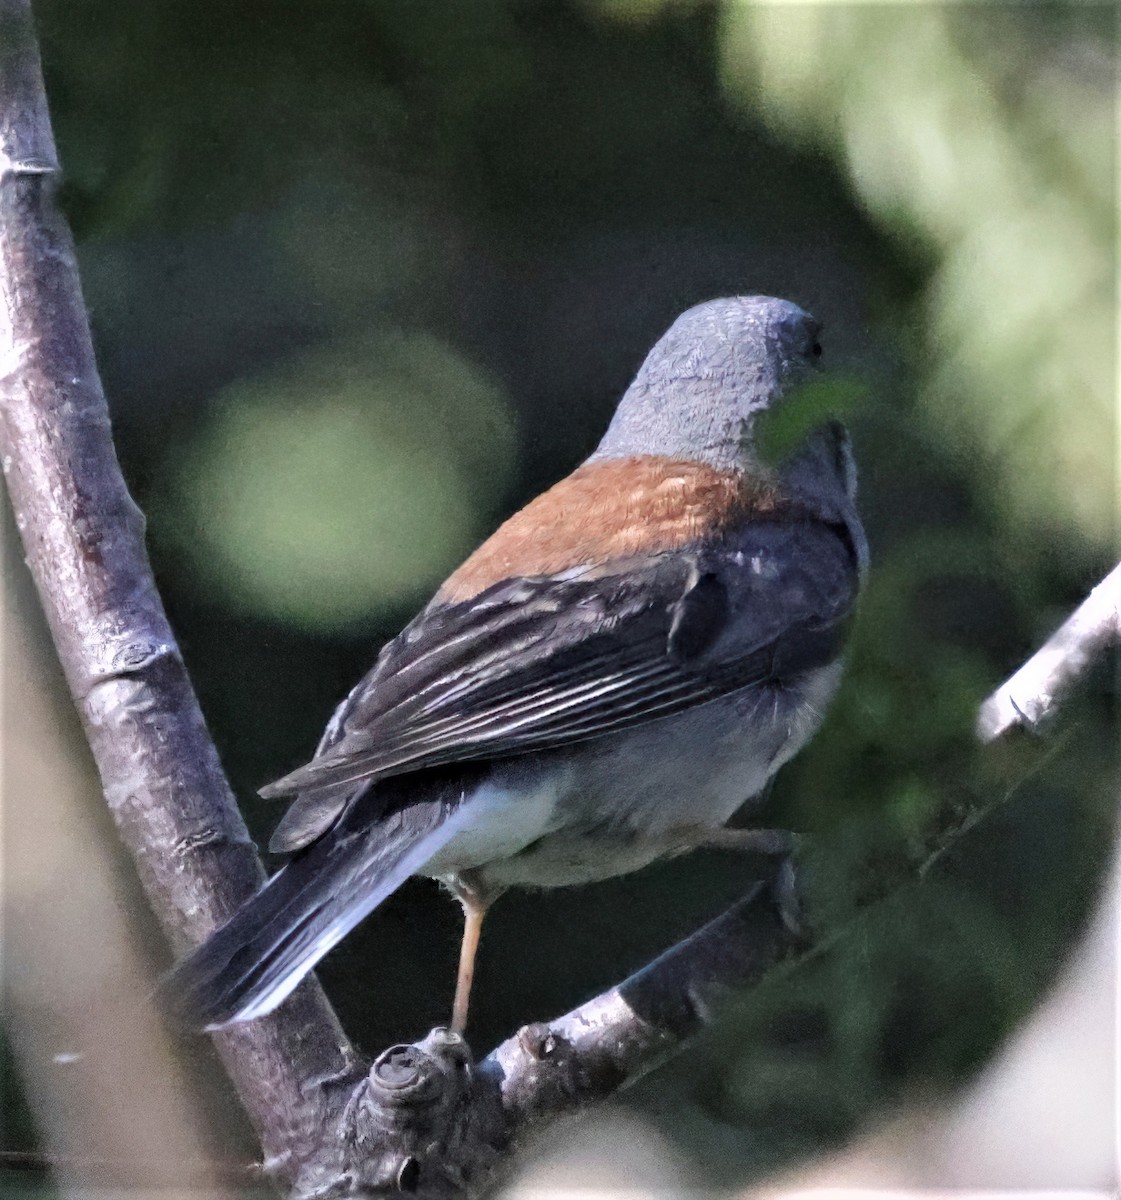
[[615, 804]]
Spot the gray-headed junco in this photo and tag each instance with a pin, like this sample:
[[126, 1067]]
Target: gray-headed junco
[[623, 664]]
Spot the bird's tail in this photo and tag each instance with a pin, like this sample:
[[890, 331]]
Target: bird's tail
[[249, 965]]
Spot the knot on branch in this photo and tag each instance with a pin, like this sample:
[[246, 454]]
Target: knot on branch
[[407, 1083], [539, 1067], [423, 1121], [123, 654]]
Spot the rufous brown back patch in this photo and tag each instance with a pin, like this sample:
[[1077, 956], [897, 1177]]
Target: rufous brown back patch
[[611, 509]]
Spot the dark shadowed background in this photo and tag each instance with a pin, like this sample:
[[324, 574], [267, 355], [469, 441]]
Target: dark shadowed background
[[365, 276]]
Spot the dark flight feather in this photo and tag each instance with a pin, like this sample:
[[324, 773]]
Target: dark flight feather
[[253, 961], [538, 664]]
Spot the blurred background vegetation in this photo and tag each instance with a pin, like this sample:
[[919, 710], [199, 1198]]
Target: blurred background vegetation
[[366, 276]]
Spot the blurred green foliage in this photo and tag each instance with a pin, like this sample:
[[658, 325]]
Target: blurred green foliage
[[985, 135], [315, 495], [366, 276]]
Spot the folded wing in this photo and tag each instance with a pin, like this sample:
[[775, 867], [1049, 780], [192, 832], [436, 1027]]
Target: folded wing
[[540, 663]]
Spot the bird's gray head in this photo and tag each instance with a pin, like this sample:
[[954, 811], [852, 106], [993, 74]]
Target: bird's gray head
[[715, 369]]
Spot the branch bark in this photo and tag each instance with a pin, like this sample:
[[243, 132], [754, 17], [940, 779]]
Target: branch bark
[[422, 1118], [84, 542], [426, 1119], [1035, 691]]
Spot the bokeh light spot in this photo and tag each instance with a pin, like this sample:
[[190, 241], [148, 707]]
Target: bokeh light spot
[[345, 480]]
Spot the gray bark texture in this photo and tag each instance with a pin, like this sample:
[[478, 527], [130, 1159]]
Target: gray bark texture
[[83, 540]]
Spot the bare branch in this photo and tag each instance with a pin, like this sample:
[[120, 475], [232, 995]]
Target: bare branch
[[84, 543], [428, 1121], [612, 1041], [1034, 692]]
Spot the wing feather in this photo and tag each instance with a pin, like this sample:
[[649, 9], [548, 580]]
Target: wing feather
[[536, 664], [542, 662]]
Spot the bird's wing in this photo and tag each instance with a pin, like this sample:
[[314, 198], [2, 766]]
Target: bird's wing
[[542, 662]]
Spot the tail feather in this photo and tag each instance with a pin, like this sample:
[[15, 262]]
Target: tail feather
[[254, 961]]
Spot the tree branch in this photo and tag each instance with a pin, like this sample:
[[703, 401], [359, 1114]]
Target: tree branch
[[1034, 692], [615, 1039], [84, 542], [427, 1120], [423, 1118]]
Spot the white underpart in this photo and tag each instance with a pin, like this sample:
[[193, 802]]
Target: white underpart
[[503, 819]]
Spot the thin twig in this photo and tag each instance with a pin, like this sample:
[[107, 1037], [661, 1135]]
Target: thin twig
[[1034, 692]]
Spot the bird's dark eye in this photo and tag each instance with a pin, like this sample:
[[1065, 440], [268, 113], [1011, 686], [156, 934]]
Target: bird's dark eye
[[815, 349]]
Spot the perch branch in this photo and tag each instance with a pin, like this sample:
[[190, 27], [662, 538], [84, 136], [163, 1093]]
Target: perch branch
[[427, 1120], [83, 539], [615, 1039], [1034, 692]]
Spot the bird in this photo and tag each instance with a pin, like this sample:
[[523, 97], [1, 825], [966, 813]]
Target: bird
[[603, 683]]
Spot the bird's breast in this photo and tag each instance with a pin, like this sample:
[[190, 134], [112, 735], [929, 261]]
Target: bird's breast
[[614, 804], [515, 806]]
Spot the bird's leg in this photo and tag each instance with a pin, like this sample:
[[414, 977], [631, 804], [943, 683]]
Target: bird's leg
[[475, 903], [473, 914], [775, 843]]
